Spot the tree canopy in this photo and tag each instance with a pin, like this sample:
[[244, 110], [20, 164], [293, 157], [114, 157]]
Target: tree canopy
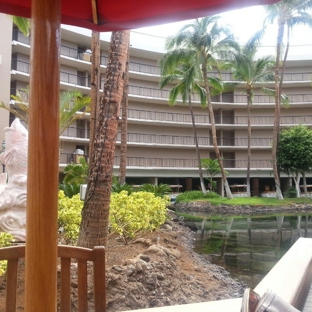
[[295, 149]]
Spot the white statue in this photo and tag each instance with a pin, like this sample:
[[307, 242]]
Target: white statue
[[13, 183]]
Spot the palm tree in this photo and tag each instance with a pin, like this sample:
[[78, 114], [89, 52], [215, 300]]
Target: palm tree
[[23, 24], [95, 84], [185, 76], [250, 70], [73, 106], [124, 128], [201, 42], [288, 13], [95, 213], [76, 173]]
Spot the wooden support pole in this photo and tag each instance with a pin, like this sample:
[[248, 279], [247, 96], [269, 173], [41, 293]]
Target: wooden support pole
[[43, 158]]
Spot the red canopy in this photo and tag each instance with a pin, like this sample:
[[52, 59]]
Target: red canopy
[[126, 14]]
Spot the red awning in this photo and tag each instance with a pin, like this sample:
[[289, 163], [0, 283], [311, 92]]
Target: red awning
[[104, 15]]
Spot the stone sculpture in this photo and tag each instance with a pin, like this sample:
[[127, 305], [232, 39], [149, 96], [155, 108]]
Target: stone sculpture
[[13, 183]]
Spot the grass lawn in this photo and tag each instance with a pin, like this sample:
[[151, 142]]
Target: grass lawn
[[257, 201]]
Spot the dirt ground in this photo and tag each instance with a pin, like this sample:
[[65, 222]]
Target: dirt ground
[[158, 269]]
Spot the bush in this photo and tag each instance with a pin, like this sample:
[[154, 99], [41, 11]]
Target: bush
[[195, 195], [158, 190], [117, 188], [70, 189], [137, 212], [69, 216], [291, 193], [6, 240]]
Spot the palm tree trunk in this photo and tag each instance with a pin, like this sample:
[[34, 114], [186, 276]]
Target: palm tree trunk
[[95, 84], [202, 183], [249, 103], [214, 132], [95, 213], [280, 34], [124, 128]]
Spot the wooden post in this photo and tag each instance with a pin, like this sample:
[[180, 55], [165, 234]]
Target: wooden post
[[43, 158]]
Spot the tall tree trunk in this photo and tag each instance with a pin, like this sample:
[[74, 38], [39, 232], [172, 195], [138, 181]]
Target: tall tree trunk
[[280, 35], [201, 178], [95, 213], [296, 178], [124, 128], [214, 132], [249, 103], [95, 84]]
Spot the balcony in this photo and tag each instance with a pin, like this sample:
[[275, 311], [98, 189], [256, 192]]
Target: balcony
[[148, 69], [157, 94]]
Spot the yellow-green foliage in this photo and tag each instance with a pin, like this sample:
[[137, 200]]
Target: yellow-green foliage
[[69, 215], [5, 240], [139, 211]]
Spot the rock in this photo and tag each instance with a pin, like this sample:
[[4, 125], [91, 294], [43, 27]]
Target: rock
[[145, 258], [167, 227], [118, 268]]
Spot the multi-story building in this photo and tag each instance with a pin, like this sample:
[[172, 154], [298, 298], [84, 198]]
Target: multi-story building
[[161, 146]]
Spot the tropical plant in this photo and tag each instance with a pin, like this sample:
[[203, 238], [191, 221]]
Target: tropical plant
[[185, 76], [249, 69], [294, 154], [139, 212], [287, 13], [22, 23], [212, 167], [70, 189], [6, 239], [95, 84], [201, 42], [72, 106], [189, 196], [118, 188], [158, 190], [95, 213], [76, 173], [124, 127], [69, 216]]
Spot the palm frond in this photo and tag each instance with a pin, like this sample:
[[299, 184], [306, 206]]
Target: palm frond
[[22, 23]]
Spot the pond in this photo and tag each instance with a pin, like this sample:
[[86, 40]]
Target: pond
[[249, 246]]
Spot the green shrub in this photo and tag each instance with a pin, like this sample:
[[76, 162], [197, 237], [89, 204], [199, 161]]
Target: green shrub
[[291, 193], [70, 189], [195, 195], [158, 190], [69, 216], [6, 240], [117, 188], [137, 212]]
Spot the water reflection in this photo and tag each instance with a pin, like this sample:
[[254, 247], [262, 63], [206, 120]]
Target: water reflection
[[248, 247]]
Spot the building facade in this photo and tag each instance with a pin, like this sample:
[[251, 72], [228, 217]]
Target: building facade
[[161, 147]]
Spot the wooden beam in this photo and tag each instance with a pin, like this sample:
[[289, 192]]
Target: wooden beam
[[43, 158], [95, 12]]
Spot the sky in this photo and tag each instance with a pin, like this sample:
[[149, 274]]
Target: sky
[[244, 23], [252, 16]]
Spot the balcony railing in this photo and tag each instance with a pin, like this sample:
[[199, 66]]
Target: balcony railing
[[190, 163], [77, 132], [142, 138], [220, 119], [66, 158], [76, 53], [156, 93]]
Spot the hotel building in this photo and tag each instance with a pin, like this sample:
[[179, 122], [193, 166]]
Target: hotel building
[[161, 146]]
